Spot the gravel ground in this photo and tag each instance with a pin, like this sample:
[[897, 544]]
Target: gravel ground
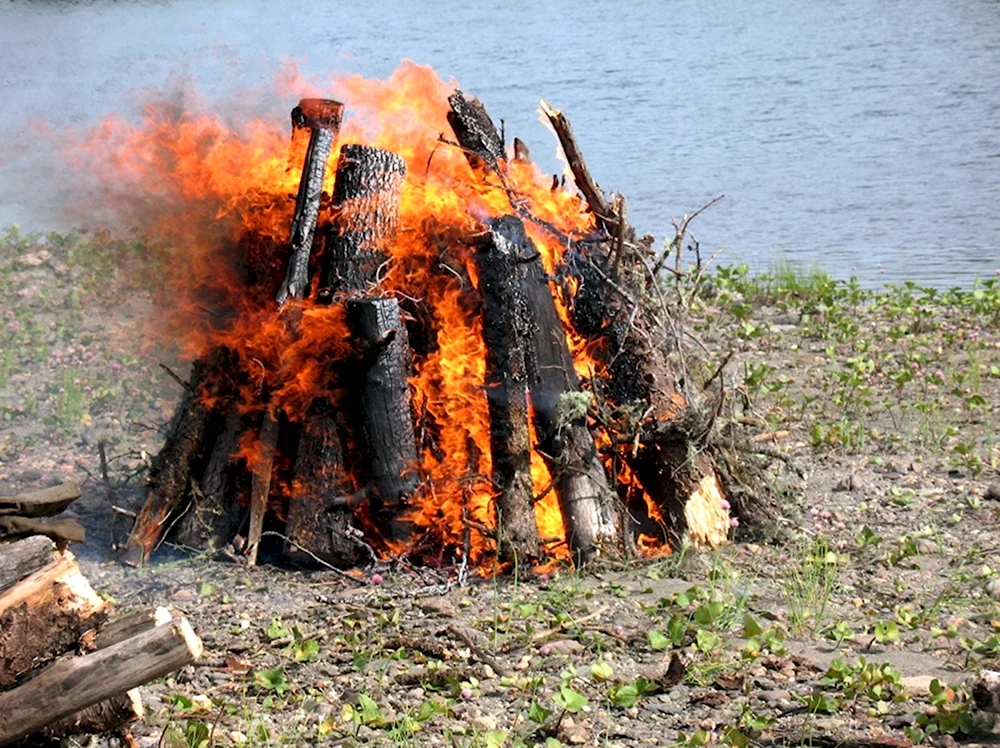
[[828, 629]]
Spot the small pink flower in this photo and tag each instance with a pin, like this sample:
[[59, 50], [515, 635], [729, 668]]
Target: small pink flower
[[734, 522], [725, 505], [377, 578]]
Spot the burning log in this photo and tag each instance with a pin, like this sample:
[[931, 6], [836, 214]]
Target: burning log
[[366, 200], [322, 118], [609, 309], [386, 420], [476, 133], [505, 331], [559, 408], [76, 683], [213, 517], [319, 520]]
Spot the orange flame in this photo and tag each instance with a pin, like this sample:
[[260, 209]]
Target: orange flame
[[214, 195]]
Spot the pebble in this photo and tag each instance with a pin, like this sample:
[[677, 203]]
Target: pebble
[[992, 492], [916, 685], [774, 697]]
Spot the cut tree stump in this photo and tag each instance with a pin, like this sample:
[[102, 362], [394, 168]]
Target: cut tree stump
[[322, 118], [366, 197], [75, 683], [505, 332], [44, 615]]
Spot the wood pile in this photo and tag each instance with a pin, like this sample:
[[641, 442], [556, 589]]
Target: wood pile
[[357, 456], [64, 668]]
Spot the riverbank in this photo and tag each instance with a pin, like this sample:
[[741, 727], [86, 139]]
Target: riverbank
[[882, 575]]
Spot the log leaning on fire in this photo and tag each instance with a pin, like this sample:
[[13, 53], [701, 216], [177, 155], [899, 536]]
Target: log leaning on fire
[[586, 501], [322, 117], [559, 409], [505, 332]]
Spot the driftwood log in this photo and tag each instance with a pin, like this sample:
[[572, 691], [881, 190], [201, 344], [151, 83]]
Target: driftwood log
[[46, 502], [23, 557]]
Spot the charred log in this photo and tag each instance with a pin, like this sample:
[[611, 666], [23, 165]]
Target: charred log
[[505, 331], [588, 506], [476, 132], [322, 118], [385, 418], [366, 197], [319, 521], [260, 486], [214, 515], [175, 464]]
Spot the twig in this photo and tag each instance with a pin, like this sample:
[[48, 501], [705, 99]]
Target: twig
[[481, 654], [175, 376], [317, 559], [678, 240], [538, 636]]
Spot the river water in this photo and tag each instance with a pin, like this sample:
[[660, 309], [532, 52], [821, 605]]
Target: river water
[[860, 135]]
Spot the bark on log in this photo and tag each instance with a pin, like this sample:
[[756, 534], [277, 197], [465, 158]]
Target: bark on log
[[106, 716], [46, 502], [318, 517], [62, 531], [322, 117], [45, 615], [175, 464], [386, 433], [79, 682], [260, 487], [588, 505], [23, 557], [366, 197], [505, 331], [131, 625], [215, 515]]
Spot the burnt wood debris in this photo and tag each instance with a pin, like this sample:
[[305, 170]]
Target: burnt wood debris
[[346, 472]]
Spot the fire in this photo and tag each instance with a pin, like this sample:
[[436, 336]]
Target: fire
[[212, 193]]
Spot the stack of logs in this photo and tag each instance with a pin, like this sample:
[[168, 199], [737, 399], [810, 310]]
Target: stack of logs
[[206, 500], [64, 669]]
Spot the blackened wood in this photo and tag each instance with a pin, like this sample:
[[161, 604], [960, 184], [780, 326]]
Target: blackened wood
[[22, 557], [214, 515], [366, 197], [318, 518], [175, 464], [386, 434], [476, 132], [46, 502], [505, 331], [322, 117], [588, 505], [76, 683], [260, 487]]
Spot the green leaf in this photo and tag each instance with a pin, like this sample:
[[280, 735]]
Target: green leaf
[[601, 671], [195, 734], [272, 680], [278, 630], [205, 589], [306, 650], [751, 627], [570, 700], [657, 640], [538, 713], [625, 696], [371, 714], [886, 631]]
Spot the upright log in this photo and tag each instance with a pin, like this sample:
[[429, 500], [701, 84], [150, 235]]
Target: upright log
[[476, 133], [76, 683], [319, 519], [214, 515], [388, 443], [175, 464], [260, 485], [322, 118], [588, 505], [366, 197], [505, 331]]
